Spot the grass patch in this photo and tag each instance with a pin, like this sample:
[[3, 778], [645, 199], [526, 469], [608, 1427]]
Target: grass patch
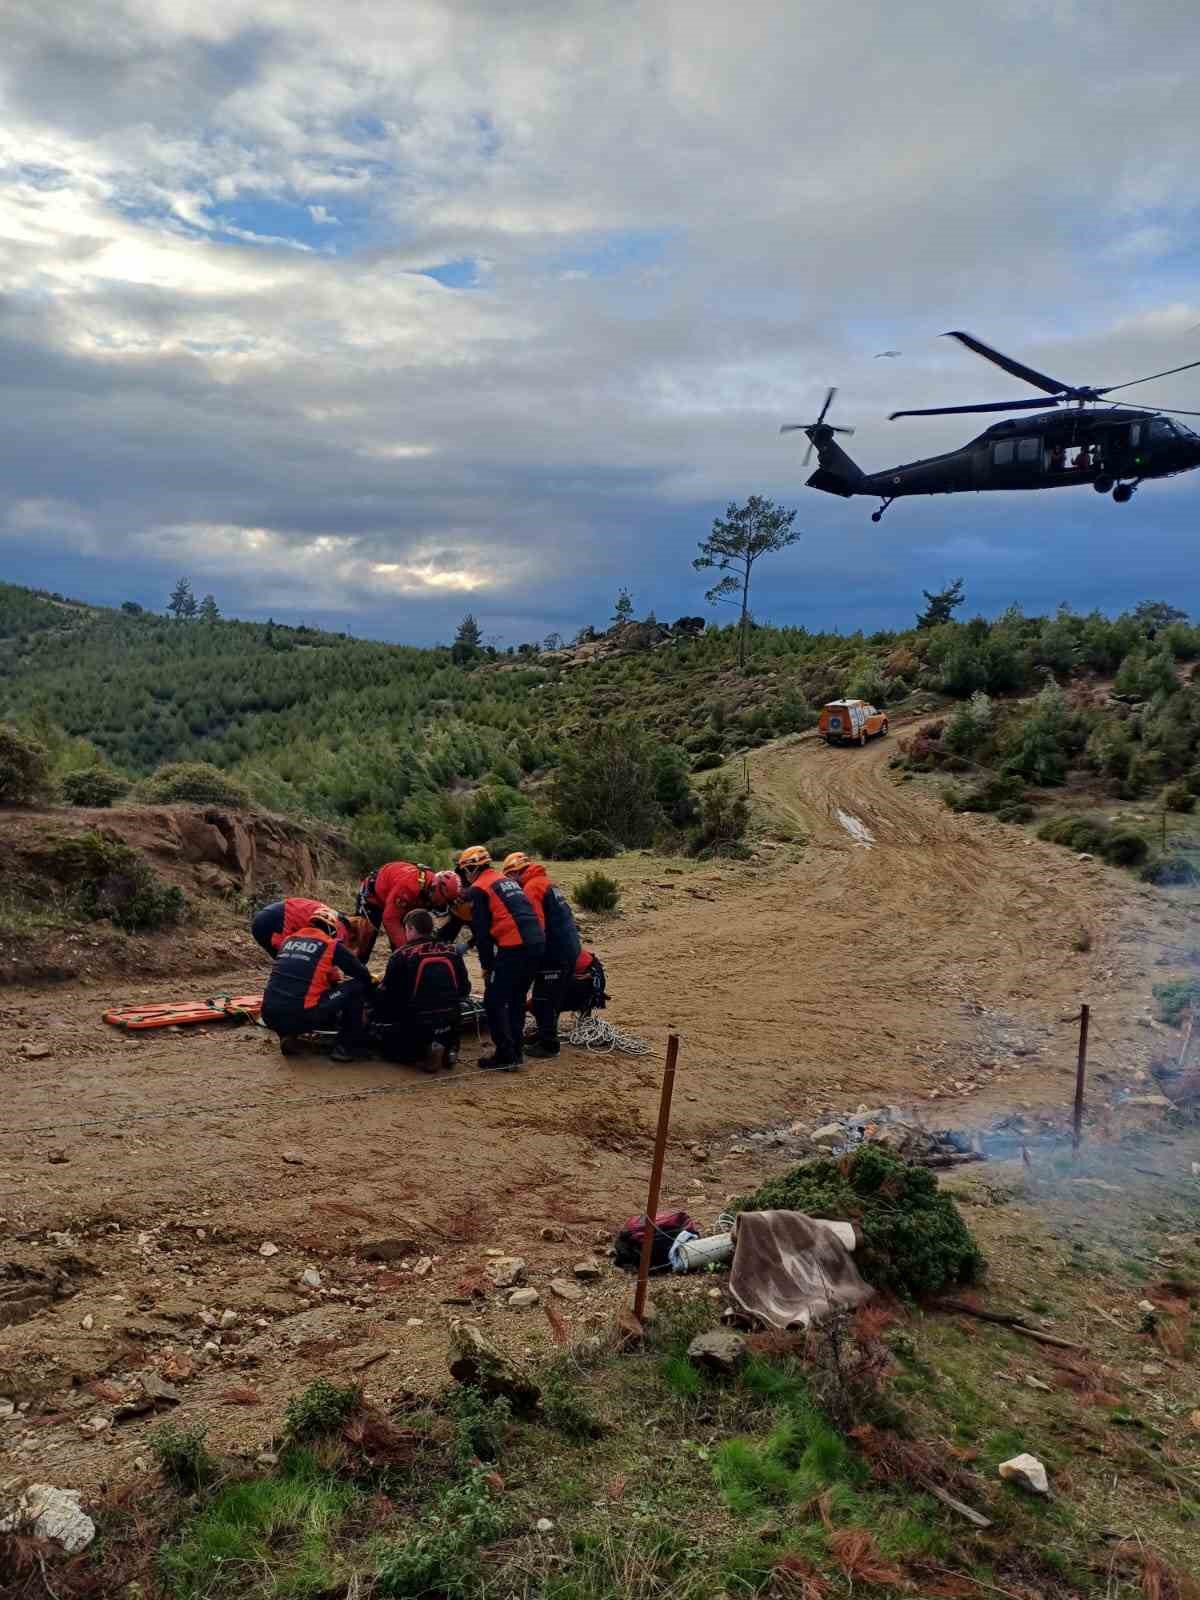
[[273, 1537], [321, 1409], [597, 892], [443, 1556], [1176, 999]]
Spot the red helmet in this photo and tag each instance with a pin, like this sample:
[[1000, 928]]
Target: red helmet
[[445, 889]]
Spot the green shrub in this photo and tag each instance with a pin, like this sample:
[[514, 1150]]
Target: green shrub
[[1045, 740], [544, 837], [1125, 848], [320, 1409], [93, 786], [442, 1558], [24, 767], [590, 845], [1176, 999], [182, 1456], [708, 762], [597, 892], [196, 782], [1085, 834], [914, 1240], [969, 725], [608, 780], [1179, 797], [724, 815], [1171, 870], [110, 880], [480, 1425], [992, 794]]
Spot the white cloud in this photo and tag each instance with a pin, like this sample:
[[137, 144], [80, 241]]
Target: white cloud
[[686, 221]]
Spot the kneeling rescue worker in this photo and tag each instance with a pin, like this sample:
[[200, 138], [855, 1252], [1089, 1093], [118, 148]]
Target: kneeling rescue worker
[[317, 982], [282, 918], [562, 951], [511, 945], [388, 894], [418, 1009]]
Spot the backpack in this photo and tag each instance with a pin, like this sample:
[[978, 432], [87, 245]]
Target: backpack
[[587, 993], [434, 981], [667, 1227]]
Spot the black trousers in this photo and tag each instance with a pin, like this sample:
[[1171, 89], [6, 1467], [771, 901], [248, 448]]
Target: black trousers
[[412, 1039], [504, 997], [340, 1008], [547, 1002]]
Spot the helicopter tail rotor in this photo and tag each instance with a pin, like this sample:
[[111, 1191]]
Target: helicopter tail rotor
[[818, 430]]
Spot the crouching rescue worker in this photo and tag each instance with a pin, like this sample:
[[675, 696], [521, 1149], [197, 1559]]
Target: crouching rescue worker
[[418, 1010], [388, 894], [278, 921], [317, 983], [510, 942], [562, 950]]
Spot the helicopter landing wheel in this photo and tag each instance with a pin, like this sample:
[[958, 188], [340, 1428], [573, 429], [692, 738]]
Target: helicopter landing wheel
[[877, 515], [1103, 485], [1123, 493]]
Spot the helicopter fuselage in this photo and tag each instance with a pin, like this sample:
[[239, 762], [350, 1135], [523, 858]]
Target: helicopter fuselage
[[1049, 450]]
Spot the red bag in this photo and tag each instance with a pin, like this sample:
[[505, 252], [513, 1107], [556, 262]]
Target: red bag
[[668, 1225]]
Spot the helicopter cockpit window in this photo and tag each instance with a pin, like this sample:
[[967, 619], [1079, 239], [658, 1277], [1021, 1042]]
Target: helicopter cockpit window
[[1002, 453], [1160, 428], [1029, 449]]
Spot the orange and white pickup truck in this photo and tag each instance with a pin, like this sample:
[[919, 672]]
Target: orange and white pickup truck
[[851, 722]]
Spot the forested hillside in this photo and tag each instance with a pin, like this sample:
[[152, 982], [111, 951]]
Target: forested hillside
[[422, 748]]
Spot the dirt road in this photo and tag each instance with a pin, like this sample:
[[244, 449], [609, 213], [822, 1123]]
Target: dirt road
[[909, 955]]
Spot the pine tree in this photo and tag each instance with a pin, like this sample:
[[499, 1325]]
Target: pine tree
[[737, 540], [468, 641], [623, 609], [941, 606], [209, 610], [182, 602]]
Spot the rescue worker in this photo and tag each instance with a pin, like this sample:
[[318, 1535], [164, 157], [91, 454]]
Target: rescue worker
[[563, 947], [317, 982], [282, 918], [419, 1004], [510, 942], [388, 894], [586, 988]]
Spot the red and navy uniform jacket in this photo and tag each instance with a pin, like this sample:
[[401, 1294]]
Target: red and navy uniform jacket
[[556, 917], [424, 977], [585, 963], [305, 970], [502, 918], [390, 893], [282, 919]]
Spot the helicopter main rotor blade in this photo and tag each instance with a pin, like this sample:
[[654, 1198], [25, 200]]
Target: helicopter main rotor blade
[[1039, 380], [1187, 367], [826, 406], [995, 405]]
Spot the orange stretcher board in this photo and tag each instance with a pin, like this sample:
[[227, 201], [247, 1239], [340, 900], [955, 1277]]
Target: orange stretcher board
[[185, 1013]]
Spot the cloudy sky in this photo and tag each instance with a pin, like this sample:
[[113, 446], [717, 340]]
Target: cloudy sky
[[369, 315]]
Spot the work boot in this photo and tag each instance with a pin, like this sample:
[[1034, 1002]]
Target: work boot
[[449, 1058], [289, 1044], [341, 1053], [541, 1051], [498, 1063]]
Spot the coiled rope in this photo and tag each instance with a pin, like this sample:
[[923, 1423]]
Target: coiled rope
[[594, 1033]]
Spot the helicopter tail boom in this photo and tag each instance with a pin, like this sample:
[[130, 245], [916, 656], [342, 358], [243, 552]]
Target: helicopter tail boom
[[836, 473]]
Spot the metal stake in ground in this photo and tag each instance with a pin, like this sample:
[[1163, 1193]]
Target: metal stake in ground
[[1085, 1013], [660, 1150]]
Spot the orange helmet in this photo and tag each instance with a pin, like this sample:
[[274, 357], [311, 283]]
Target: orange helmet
[[517, 862], [445, 889], [327, 919], [474, 858]]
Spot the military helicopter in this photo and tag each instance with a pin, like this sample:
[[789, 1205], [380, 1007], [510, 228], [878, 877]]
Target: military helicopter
[[1113, 447]]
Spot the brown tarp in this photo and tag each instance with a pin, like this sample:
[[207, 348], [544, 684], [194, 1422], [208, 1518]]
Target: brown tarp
[[790, 1270]]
